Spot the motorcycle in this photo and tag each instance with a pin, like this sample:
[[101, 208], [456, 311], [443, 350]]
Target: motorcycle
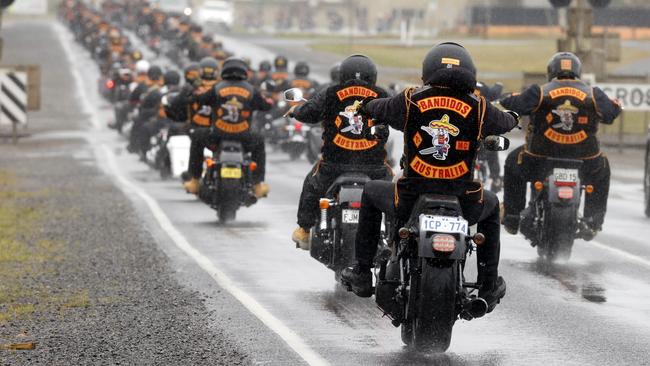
[[294, 141], [551, 221], [421, 287], [227, 183], [332, 239]]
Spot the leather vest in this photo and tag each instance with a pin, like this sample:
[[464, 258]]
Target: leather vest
[[343, 132], [201, 115], [442, 134], [233, 113], [565, 123]]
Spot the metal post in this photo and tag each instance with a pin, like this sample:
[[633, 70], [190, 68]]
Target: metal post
[[620, 133]]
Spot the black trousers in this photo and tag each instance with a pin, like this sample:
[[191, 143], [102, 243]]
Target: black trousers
[[379, 196], [318, 181], [521, 168], [207, 137]]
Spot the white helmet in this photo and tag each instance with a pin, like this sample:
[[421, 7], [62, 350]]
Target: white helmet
[[142, 66]]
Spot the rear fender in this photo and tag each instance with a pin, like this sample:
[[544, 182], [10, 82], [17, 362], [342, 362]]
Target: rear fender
[[425, 247], [554, 193]]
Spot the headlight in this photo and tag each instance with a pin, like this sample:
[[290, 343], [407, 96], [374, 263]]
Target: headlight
[[187, 11]]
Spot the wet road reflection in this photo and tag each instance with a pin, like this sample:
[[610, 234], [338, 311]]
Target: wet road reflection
[[584, 280]]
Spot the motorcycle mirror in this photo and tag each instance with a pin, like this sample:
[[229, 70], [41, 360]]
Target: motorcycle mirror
[[497, 143], [293, 95]]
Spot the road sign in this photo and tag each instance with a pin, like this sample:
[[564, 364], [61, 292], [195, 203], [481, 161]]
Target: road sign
[[633, 97], [13, 97]]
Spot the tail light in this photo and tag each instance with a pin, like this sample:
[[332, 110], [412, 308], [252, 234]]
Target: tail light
[[443, 243], [355, 204], [565, 184], [297, 126], [565, 193], [110, 84]]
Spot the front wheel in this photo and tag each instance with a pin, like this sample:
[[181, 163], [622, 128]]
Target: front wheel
[[435, 308]]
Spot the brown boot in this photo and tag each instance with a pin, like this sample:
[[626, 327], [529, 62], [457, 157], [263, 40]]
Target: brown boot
[[192, 186], [261, 190], [301, 237]]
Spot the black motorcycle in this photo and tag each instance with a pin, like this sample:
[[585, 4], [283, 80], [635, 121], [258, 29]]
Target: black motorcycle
[[421, 286], [227, 183], [332, 239], [551, 221]]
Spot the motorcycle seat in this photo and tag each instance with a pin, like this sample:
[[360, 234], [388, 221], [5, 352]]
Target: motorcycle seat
[[344, 179], [430, 202]]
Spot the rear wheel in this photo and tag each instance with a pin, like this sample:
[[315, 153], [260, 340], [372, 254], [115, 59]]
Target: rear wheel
[[227, 202], [560, 233], [435, 308]]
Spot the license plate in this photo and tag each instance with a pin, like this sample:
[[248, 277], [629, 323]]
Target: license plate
[[230, 173], [565, 175], [443, 224], [350, 216]]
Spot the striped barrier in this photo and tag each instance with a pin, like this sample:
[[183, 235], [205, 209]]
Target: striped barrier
[[13, 97]]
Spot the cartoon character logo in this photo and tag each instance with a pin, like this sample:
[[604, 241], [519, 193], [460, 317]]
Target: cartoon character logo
[[354, 120], [233, 106], [566, 112], [439, 130]]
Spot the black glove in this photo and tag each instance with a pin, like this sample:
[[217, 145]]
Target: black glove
[[377, 132]]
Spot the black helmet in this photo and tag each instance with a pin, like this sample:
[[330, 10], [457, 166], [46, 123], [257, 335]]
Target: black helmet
[[192, 72], [172, 77], [234, 69], [281, 63], [206, 38], [154, 73], [449, 64], [335, 73], [301, 69], [209, 68], [358, 67], [265, 66], [564, 65]]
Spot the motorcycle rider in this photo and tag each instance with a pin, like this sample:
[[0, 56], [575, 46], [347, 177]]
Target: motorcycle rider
[[179, 109], [443, 123], [232, 101], [345, 149], [137, 88], [263, 72], [301, 79], [564, 117], [147, 109]]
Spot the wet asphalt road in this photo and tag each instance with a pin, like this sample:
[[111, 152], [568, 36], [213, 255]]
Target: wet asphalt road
[[593, 310]]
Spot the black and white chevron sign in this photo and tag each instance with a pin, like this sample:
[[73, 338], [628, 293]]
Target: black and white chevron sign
[[13, 97]]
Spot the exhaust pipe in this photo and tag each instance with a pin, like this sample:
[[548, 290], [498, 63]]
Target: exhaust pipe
[[474, 308]]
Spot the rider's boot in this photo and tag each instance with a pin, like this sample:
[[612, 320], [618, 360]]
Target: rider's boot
[[588, 229], [359, 279], [192, 186], [492, 291], [301, 237], [261, 190], [511, 223]]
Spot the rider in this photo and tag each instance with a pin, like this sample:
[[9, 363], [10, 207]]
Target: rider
[[147, 109], [301, 79], [345, 149], [263, 72], [232, 101], [564, 115], [443, 123], [180, 106]]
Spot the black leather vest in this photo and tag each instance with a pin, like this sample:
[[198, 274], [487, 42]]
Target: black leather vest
[[343, 131], [233, 113], [442, 133], [565, 123]]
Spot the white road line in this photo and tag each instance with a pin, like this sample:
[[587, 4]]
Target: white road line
[[619, 252], [290, 337]]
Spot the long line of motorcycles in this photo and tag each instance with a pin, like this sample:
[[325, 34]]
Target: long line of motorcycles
[[420, 284]]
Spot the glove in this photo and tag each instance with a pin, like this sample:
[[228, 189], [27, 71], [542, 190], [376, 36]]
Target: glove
[[378, 132]]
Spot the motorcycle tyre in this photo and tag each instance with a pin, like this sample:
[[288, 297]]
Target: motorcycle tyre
[[560, 234], [227, 201]]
